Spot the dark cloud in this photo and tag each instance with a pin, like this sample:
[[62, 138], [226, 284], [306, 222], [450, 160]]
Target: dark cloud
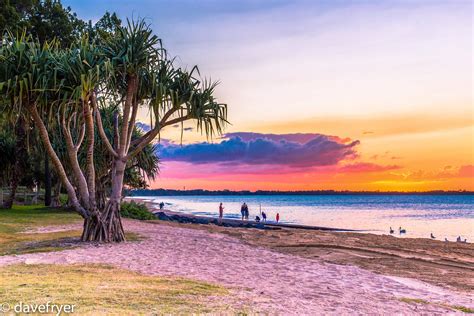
[[294, 150], [144, 127]]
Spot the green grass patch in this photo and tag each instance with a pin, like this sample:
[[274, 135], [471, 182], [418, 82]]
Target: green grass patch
[[101, 289], [413, 300], [136, 211], [16, 223], [463, 309], [22, 218]]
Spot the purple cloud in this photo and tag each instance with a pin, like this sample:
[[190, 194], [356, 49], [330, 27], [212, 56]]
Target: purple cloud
[[293, 150], [143, 126]]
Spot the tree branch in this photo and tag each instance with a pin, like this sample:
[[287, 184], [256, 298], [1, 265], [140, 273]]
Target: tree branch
[[145, 141], [81, 136], [76, 168], [131, 125], [131, 90], [100, 127], [90, 168], [56, 162]]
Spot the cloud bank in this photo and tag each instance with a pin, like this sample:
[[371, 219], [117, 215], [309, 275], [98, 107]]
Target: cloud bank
[[291, 150]]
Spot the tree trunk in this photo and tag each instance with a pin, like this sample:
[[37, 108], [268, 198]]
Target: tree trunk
[[56, 201], [8, 203], [47, 181], [47, 178], [21, 157], [106, 225]]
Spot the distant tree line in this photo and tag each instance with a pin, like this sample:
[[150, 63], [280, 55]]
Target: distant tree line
[[170, 192]]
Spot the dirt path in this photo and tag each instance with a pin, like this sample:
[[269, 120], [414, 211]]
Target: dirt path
[[265, 280]]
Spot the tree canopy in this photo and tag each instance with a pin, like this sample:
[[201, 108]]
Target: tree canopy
[[73, 87]]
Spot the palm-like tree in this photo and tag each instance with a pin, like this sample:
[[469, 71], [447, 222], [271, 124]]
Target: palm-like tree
[[131, 70]]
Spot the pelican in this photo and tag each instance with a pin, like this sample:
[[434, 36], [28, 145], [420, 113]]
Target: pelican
[[391, 230], [432, 236]]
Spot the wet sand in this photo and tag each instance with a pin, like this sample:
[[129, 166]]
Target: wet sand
[[446, 264]]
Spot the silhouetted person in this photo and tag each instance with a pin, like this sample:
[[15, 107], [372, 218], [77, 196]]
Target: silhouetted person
[[221, 212], [264, 216], [278, 217]]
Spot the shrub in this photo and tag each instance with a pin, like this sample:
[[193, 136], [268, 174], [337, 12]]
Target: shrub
[[135, 211]]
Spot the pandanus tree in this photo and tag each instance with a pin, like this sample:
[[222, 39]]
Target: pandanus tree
[[131, 70]]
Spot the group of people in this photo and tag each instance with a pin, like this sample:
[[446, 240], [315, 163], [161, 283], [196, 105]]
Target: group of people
[[244, 211]]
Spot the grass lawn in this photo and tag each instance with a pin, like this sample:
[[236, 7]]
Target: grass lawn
[[20, 219], [14, 222], [100, 289], [94, 289]]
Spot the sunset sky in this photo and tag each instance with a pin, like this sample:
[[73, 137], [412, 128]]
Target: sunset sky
[[345, 95]]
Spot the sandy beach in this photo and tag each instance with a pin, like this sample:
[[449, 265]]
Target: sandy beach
[[262, 279]]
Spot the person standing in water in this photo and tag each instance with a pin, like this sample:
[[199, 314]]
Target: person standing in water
[[278, 217], [221, 212], [246, 211], [264, 216], [242, 211]]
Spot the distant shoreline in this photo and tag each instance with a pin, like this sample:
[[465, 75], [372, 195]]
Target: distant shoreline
[[168, 192]]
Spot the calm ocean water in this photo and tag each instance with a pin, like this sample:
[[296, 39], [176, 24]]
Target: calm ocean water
[[446, 216]]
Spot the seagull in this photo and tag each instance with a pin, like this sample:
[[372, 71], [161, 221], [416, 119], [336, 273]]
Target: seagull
[[391, 230], [446, 239], [432, 236], [402, 231]]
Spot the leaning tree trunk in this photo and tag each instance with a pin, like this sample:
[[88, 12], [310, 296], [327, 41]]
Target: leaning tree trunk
[[106, 225], [20, 154]]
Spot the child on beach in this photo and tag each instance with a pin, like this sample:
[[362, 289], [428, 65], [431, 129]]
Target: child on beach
[[278, 217]]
